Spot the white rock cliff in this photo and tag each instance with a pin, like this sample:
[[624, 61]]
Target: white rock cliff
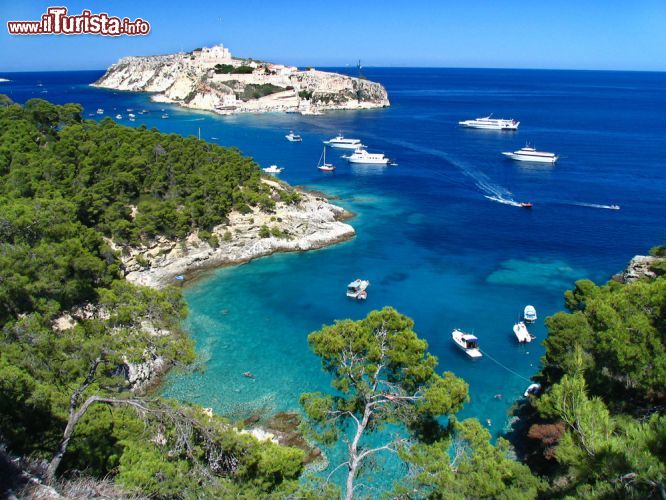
[[210, 79]]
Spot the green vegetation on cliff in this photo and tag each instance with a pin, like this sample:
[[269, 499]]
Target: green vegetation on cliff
[[599, 430], [72, 329]]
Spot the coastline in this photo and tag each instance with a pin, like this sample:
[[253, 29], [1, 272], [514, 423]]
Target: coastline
[[312, 224]]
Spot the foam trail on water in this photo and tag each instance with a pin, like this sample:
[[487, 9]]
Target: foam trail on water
[[481, 180], [503, 200], [595, 205]]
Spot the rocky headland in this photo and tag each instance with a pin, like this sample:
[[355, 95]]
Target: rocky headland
[[309, 224], [211, 79]]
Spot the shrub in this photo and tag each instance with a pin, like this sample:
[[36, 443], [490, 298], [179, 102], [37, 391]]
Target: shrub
[[264, 232]]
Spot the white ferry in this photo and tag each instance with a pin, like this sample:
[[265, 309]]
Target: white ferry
[[273, 169], [291, 137], [362, 156], [529, 314], [520, 330], [356, 289], [530, 154], [467, 342], [490, 123], [341, 142]]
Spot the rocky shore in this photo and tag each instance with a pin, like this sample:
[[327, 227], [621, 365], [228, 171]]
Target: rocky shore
[[310, 224]]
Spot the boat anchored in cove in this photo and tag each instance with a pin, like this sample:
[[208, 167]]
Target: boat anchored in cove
[[520, 330], [322, 165], [341, 142], [529, 314], [356, 289], [273, 169], [291, 137], [530, 154], [467, 342], [362, 156], [490, 123]]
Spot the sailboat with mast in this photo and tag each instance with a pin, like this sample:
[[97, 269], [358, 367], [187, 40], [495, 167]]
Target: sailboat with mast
[[322, 165]]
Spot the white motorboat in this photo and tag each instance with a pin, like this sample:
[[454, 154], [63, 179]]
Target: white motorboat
[[100, 111], [530, 154], [532, 390], [132, 119], [490, 123], [273, 169], [165, 116], [132, 115], [322, 165], [341, 142], [467, 342], [119, 117], [356, 289], [291, 137], [529, 314], [362, 156], [521, 332]]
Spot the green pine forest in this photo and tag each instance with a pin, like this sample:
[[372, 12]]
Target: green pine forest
[[69, 187]]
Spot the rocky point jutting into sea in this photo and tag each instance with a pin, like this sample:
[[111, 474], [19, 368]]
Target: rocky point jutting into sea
[[310, 224], [211, 79]]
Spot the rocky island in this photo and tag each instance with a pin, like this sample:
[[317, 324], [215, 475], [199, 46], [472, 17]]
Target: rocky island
[[211, 79]]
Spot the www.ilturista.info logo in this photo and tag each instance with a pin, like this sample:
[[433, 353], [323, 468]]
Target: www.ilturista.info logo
[[56, 22]]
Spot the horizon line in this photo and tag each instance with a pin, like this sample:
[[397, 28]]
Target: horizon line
[[396, 67]]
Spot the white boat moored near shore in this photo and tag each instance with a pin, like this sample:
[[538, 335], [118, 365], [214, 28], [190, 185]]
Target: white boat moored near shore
[[529, 314], [356, 289], [467, 342], [490, 123], [530, 154], [273, 169], [100, 111], [520, 330], [119, 117], [362, 156], [341, 142]]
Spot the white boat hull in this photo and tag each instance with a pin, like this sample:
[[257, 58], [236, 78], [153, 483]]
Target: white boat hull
[[488, 126], [369, 161], [344, 146], [534, 159]]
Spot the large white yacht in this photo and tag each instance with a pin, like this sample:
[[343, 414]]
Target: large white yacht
[[341, 142], [491, 123], [530, 154], [362, 156]]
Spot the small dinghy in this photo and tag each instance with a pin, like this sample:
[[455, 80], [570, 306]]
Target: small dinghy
[[356, 289], [521, 333], [467, 342], [529, 314], [291, 137]]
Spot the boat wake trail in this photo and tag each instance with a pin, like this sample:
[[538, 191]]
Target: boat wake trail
[[595, 205], [499, 199], [488, 188]]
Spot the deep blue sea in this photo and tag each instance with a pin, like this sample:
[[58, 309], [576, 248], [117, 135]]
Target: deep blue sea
[[432, 243]]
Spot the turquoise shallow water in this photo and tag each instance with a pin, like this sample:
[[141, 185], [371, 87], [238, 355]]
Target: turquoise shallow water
[[431, 243]]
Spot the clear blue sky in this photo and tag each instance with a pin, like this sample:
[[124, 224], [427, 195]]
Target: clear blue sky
[[577, 34]]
